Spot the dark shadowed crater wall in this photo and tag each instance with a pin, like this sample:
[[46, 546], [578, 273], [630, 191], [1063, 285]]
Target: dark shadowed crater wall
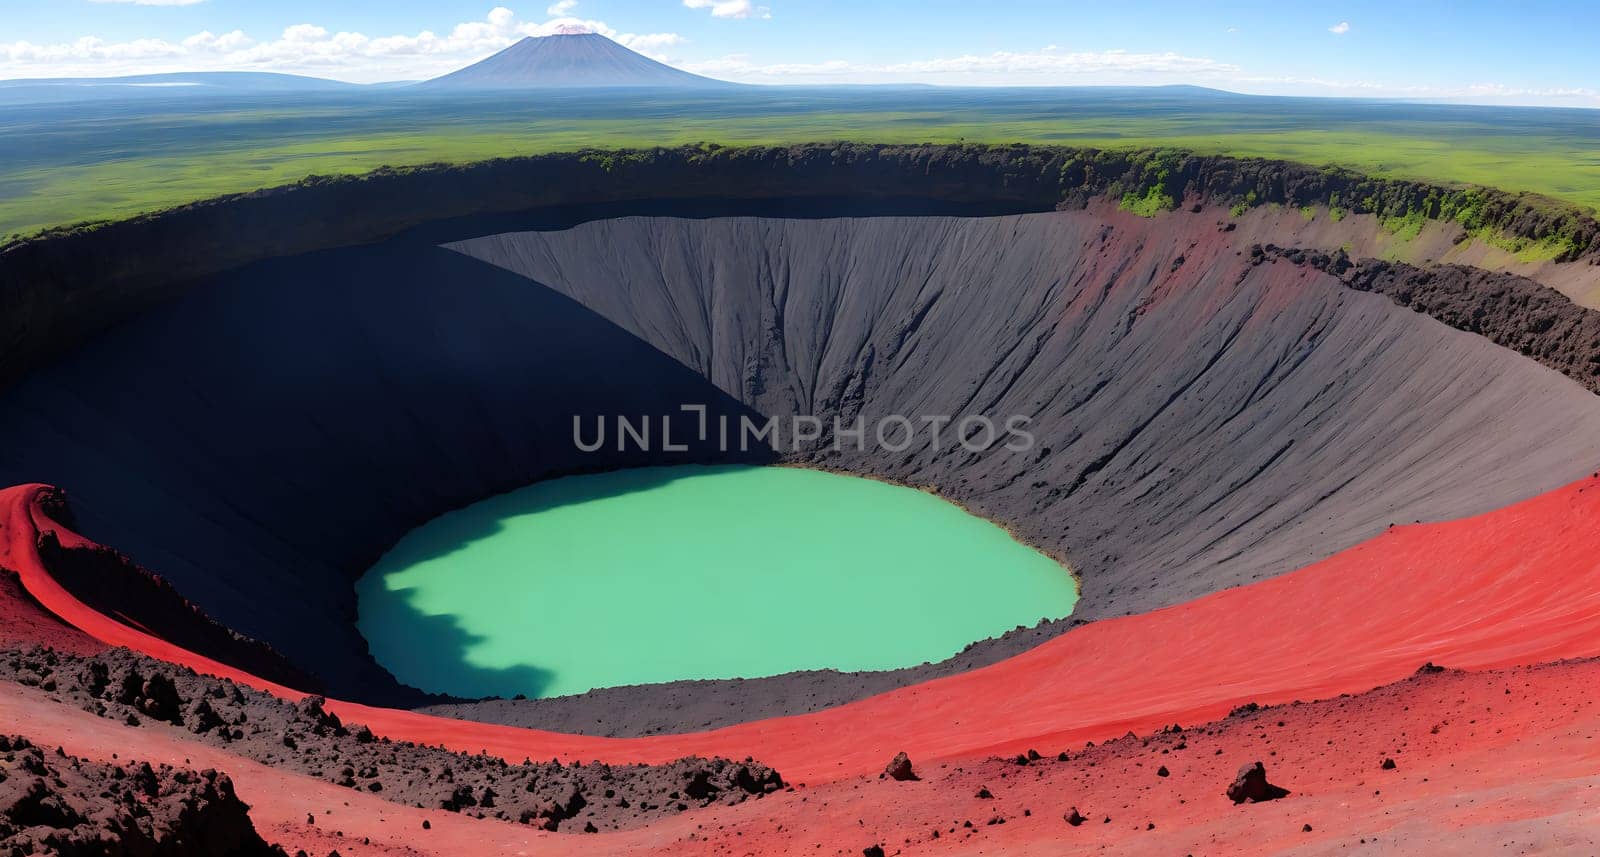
[[264, 440]]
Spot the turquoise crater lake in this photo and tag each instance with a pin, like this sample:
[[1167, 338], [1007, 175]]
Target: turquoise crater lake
[[694, 572]]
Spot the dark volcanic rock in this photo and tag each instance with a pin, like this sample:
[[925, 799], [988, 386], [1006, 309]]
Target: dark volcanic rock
[[306, 738], [900, 768], [56, 804], [1508, 309], [1251, 785], [154, 697]]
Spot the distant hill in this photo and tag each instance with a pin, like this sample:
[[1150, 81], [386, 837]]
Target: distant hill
[[569, 61], [56, 89]]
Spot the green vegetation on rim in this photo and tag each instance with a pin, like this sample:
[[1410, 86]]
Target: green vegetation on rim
[[1527, 249], [1147, 182], [70, 168], [1150, 204], [1406, 226]]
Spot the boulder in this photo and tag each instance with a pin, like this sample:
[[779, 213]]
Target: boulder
[[1251, 785], [900, 768]]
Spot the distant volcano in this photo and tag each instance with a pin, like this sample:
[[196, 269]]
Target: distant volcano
[[568, 61]]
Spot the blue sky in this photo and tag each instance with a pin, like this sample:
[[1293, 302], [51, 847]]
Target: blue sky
[[1498, 52]]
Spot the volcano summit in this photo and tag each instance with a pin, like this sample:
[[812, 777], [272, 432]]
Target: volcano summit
[[569, 60]]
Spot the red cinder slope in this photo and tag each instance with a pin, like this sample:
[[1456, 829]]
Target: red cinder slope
[[1486, 762], [1519, 585]]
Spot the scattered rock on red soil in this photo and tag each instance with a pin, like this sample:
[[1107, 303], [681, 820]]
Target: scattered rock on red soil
[[306, 738], [52, 803]]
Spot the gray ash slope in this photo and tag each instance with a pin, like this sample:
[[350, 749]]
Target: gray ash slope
[[1202, 421], [1205, 419], [576, 60]]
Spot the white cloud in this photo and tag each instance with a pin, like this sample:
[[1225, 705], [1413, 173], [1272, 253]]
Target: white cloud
[[309, 48], [305, 33], [1046, 67], [1055, 67], [90, 48], [652, 44], [730, 8], [1500, 90], [1475, 93], [228, 42], [560, 8], [1340, 28]]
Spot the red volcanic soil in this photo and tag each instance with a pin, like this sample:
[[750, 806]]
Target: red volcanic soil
[[1483, 759], [1517, 586], [1502, 761], [23, 620]]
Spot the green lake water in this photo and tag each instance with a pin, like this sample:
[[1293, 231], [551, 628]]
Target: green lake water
[[695, 572]]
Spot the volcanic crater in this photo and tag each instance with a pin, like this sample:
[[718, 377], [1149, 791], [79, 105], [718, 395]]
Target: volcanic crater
[[1212, 410]]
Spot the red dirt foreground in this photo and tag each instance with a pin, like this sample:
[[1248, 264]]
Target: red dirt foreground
[[1503, 761]]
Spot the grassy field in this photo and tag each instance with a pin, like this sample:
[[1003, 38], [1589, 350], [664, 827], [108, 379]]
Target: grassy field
[[67, 163]]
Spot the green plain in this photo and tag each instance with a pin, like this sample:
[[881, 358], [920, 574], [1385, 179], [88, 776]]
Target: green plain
[[67, 163]]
